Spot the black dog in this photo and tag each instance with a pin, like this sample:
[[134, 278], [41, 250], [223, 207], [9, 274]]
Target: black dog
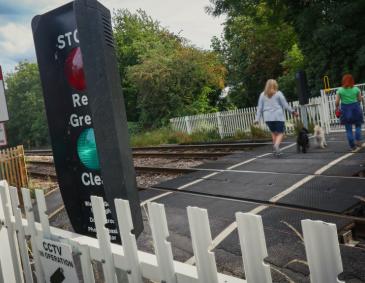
[[303, 140]]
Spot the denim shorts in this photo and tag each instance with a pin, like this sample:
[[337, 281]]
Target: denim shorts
[[276, 126]]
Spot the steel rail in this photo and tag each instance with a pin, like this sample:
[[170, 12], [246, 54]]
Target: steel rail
[[210, 146]]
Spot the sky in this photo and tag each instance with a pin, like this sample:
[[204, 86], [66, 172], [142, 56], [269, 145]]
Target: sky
[[186, 17]]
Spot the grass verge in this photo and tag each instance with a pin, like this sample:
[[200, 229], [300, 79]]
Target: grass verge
[[169, 136]]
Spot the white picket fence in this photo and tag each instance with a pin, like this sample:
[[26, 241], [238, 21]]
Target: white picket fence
[[329, 99], [320, 110], [19, 235]]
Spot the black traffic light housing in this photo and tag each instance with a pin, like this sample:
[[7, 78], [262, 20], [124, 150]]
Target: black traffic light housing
[[85, 111], [302, 87], [107, 106]]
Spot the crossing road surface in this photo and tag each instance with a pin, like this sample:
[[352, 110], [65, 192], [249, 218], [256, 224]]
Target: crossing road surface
[[324, 184]]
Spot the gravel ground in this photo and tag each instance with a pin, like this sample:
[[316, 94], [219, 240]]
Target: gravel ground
[[46, 185], [168, 162], [160, 162], [144, 180]]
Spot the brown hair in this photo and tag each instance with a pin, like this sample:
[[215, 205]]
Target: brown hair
[[348, 81]]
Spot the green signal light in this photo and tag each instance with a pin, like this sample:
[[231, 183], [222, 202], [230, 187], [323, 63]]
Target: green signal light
[[86, 149]]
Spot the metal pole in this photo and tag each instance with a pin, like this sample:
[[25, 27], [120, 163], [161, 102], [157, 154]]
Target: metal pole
[[304, 116]]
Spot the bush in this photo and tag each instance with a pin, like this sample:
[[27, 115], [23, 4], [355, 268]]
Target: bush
[[179, 137], [258, 133], [169, 136], [153, 137], [205, 136], [241, 135], [160, 136], [299, 125], [134, 128]]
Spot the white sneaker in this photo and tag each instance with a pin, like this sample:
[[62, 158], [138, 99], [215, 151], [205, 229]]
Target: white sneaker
[[277, 151]]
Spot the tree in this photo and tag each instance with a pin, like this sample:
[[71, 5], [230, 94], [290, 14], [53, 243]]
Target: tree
[[294, 61], [331, 36], [254, 45], [185, 82], [330, 33], [162, 74], [27, 124], [135, 35]]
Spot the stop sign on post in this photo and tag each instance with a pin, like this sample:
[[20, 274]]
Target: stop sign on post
[[86, 113]]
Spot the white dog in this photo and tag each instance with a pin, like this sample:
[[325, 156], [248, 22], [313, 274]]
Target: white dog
[[320, 137]]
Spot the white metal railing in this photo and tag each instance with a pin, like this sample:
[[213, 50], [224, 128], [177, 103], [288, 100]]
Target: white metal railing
[[18, 235], [320, 110], [329, 98]]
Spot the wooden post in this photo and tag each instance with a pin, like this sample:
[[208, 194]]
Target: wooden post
[[23, 168]]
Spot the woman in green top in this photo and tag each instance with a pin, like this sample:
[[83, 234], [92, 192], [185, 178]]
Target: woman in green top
[[351, 113]]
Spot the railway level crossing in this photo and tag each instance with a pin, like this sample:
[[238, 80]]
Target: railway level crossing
[[321, 185]]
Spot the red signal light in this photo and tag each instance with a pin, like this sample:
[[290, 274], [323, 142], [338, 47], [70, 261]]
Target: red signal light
[[74, 70]]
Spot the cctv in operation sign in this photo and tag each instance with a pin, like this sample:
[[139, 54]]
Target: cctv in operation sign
[[71, 122]]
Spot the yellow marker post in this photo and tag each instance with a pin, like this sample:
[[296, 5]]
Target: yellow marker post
[[326, 82]]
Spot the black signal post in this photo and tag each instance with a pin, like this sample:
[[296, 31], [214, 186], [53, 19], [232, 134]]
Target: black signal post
[[86, 113]]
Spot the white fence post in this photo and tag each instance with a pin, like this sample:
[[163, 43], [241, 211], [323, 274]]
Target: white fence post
[[43, 217], [128, 239], [104, 239], [220, 126], [1, 269], [163, 250], [6, 258], [21, 236], [323, 251], [33, 234], [188, 125], [202, 241], [86, 267], [12, 238], [326, 118], [253, 247]]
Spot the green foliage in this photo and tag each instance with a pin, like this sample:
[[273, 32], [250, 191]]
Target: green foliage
[[154, 137], [259, 133], [135, 35], [162, 75], [294, 61], [241, 135], [166, 135], [205, 136], [332, 38], [330, 33], [254, 45], [186, 81], [134, 128], [27, 124]]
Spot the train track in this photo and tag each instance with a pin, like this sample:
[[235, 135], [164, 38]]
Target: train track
[[213, 147], [180, 155], [48, 172], [44, 169]]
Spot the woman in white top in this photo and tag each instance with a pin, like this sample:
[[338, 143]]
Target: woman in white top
[[271, 107]]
